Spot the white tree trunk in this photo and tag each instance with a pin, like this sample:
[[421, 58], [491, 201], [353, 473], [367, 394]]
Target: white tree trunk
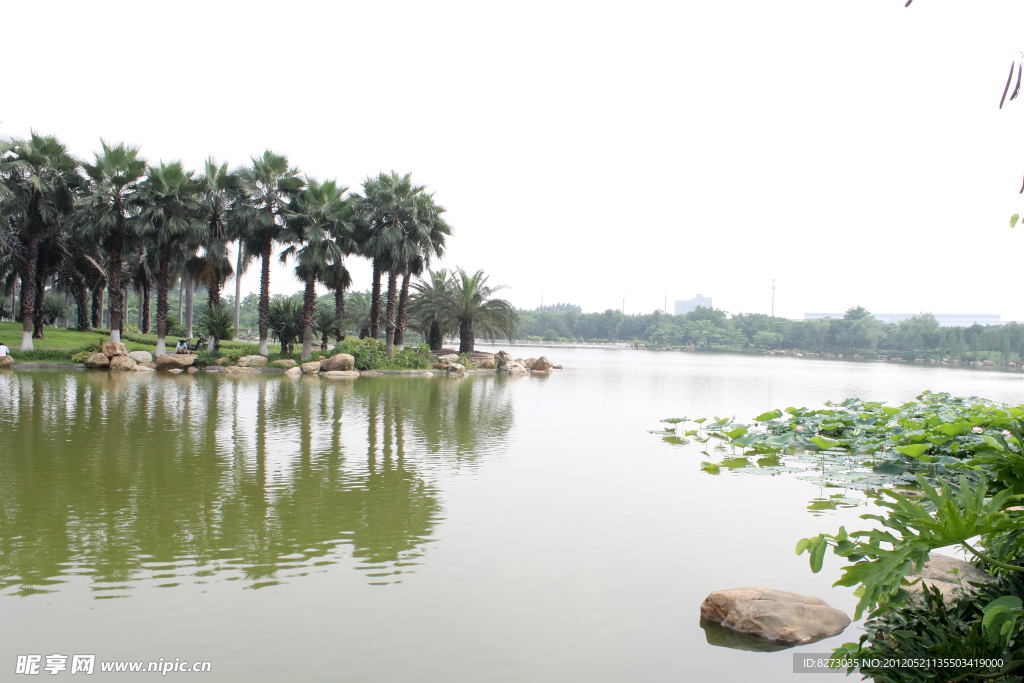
[[189, 296], [263, 348], [26, 341], [115, 335], [238, 291], [161, 346]]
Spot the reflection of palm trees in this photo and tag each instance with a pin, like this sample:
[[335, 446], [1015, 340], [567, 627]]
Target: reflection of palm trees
[[147, 477]]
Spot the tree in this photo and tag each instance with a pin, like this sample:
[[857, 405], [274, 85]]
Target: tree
[[431, 244], [167, 202], [314, 216], [386, 221], [470, 302], [38, 188], [218, 192], [428, 310], [116, 176], [268, 185]]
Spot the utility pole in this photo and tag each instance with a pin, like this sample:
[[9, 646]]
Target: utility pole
[[773, 297]]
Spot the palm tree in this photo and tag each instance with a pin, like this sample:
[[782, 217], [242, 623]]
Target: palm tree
[[470, 302], [337, 279], [428, 310], [216, 320], [115, 175], [357, 313], [431, 244], [268, 184], [167, 201], [218, 192], [386, 213], [39, 178], [312, 218]]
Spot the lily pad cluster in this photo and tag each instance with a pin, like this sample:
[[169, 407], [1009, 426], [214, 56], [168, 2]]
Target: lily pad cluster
[[861, 445]]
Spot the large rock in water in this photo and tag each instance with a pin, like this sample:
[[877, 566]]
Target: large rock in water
[[938, 573], [285, 363], [338, 362], [311, 368], [6, 362], [508, 365], [111, 349], [141, 356], [97, 361], [293, 372], [448, 359], [772, 614], [252, 361], [175, 361], [341, 374], [122, 363], [542, 364]]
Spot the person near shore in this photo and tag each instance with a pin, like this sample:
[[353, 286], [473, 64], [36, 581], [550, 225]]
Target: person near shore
[[4, 351], [181, 348]]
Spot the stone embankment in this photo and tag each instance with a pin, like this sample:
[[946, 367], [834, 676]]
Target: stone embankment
[[116, 357]]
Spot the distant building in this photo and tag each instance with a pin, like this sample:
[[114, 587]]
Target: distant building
[[690, 304], [944, 319]]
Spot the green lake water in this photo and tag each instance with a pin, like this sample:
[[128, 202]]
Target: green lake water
[[397, 529]]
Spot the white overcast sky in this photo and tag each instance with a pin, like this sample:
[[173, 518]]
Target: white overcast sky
[[853, 150]]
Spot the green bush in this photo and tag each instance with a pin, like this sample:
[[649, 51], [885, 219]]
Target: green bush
[[369, 354], [42, 355]]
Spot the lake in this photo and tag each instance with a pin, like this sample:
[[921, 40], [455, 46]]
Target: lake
[[407, 528]]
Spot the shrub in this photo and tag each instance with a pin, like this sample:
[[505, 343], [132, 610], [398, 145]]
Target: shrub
[[369, 354]]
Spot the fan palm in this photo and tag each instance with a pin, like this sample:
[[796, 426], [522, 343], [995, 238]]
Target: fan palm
[[428, 309], [285, 320], [116, 176], [218, 322], [167, 199], [430, 243], [39, 178], [268, 184], [470, 302], [218, 190], [325, 323], [386, 215], [357, 313]]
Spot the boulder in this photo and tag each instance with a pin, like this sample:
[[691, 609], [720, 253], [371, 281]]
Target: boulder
[[223, 361], [111, 349], [175, 371], [175, 361], [151, 366], [139, 367], [938, 573], [311, 368], [556, 367], [97, 360], [141, 356], [341, 374], [191, 369], [772, 614], [370, 373], [542, 364], [448, 360], [239, 369], [513, 368], [456, 370], [338, 362], [285, 363], [8, 362], [487, 364], [252, 361], [293, 372], [122, 363], [528, 363], [502, 358]]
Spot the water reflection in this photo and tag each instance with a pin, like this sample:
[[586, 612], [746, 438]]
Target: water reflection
[[131, 480]]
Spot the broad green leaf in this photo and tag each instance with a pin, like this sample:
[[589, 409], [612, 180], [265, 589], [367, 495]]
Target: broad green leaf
[[733, 433], [1013, 219], [824, 443], [764, 417], [913, 450]]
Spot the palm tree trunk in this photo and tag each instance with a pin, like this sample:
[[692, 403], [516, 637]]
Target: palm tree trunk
[[181, 299], [403, 313], [82, 302], [465, 337], [190, 295], [115, 303], [214, 302], [28, 292], [436, 339], [389, 333], [14, 295], [308, 301], [238, 291], [147, 323], [37, 312], [162, 282], [97, 306], [264, 292], [375, 301]]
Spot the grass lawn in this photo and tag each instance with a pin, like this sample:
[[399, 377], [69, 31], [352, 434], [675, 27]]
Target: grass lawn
[[59, 342]]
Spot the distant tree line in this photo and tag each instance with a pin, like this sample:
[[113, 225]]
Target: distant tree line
[[856, 330]]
